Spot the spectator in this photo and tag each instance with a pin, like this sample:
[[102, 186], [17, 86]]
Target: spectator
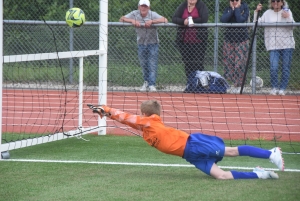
[[191, 41], [279, 41], [236, 43], [147, 39]]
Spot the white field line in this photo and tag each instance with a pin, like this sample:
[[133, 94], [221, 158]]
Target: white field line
[[137, 164]]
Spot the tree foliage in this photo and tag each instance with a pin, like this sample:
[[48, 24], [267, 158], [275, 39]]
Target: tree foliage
[[56, 9]]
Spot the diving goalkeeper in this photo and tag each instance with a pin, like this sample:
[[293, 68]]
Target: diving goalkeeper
[[203, 151]]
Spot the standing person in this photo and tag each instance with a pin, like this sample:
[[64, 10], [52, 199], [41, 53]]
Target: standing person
[[236, 43], [191, 41], [147, 39], [201, 150], [279, 41]]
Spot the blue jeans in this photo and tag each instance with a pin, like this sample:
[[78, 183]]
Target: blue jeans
[[286, 56], [148, 56]]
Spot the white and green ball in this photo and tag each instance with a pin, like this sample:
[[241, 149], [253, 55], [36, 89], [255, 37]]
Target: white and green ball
[[75, 17]]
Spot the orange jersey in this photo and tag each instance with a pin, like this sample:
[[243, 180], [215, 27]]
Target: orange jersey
[[166, 139]]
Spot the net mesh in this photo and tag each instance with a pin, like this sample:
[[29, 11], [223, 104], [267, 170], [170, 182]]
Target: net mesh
[[41, 98]]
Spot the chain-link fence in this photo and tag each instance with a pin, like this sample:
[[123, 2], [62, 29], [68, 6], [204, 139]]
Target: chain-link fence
[[25, 32]]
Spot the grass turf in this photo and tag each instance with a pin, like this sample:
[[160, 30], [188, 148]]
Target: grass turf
[[77, 181]]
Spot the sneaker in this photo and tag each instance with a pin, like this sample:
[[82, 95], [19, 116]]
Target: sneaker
[[273, 91], [276, 158], [227, 90], [281, 92], [237, 90], [234, 90], [144, 87], [152, 88], [263, 174]]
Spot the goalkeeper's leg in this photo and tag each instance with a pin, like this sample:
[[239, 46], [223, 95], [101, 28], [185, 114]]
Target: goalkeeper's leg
[[275, 154], [258, 173], [246, 150]]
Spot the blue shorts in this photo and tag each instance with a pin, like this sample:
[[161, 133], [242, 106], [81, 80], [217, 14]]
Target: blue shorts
[[203, 151]]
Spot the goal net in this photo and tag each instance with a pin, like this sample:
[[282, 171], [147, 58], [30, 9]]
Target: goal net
[[51, 72], [49, 76]]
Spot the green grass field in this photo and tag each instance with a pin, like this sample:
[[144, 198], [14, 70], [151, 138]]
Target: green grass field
[[95, 177]]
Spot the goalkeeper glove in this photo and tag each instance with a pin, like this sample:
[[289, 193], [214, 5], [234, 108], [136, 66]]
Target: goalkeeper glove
[[99, 110]]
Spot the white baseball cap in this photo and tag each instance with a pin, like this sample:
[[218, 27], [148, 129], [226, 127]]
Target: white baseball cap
[[144, 2]]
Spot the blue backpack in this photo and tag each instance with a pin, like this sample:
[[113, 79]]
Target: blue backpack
[[206, 82]]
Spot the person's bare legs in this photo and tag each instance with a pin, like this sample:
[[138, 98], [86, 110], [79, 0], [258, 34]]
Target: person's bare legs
[[231, 151], [275, 154], [218, 173]]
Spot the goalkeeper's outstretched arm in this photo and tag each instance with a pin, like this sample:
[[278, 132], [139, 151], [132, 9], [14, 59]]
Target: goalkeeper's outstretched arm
[[134, 121]]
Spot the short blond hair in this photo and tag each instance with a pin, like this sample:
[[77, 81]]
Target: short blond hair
[[150, 107]]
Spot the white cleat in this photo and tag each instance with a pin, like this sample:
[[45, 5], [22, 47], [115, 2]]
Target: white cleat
[[263, 174], [276, 158]]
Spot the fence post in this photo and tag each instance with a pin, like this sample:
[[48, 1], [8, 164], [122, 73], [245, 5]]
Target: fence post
[[71, 49], [254, 66], [216, 37]]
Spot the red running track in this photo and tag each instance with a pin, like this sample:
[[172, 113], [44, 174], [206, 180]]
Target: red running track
[[225, 115]]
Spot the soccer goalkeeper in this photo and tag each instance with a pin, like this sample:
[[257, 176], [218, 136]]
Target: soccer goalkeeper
[[203, 151]]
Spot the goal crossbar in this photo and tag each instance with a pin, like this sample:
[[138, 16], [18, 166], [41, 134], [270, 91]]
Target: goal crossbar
[[54, 55]]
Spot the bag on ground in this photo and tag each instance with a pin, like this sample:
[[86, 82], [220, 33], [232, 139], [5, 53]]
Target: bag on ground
[[206, 82]]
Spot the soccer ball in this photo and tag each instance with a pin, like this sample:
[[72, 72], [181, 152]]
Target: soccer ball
[[259, 82], [75, 17]]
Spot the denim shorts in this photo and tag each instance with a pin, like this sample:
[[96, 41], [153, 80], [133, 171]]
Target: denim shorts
[[203, 151]]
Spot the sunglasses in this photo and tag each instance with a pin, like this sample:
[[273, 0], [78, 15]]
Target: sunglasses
[[237, 0], [276, 1]]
